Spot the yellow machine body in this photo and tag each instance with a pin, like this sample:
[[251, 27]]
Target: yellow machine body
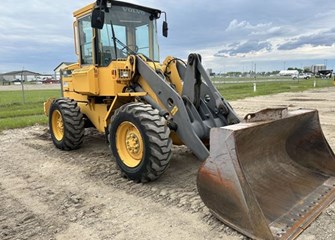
[[82, 81]]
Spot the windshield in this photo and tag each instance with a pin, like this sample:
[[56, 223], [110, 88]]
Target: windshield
[[127, 31]]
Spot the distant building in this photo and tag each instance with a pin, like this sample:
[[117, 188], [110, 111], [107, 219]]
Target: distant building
[[23, 75], [317, 67], [59, 68], [210, 72]]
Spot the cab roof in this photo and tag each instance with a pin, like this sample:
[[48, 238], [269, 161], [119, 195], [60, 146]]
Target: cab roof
[[89, 8]]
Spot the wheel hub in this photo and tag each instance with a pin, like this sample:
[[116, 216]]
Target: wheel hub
[[57, 125], [129, 144], [132, 143], [60, 125]]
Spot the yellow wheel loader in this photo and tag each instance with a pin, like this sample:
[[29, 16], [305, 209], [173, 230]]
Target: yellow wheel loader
[[268, 176]]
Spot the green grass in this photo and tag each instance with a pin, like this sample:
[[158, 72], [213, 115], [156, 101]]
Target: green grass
[[20, 122], [14, 113], [31, 96], [234, 91]]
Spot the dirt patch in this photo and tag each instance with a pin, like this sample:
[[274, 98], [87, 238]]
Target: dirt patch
[[50, 194]]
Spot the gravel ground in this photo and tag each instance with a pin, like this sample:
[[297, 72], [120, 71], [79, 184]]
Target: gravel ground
[[46, 193]]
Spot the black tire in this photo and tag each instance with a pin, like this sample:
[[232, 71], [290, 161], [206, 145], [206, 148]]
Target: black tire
[[154, 134], [71, 135]]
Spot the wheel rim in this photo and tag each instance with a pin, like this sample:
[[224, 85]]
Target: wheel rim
[[129, 144], [57, 125]]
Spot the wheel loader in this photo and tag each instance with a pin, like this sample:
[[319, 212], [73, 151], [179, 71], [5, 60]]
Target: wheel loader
[[268, 175]]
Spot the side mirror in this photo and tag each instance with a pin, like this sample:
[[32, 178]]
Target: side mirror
[[165, 29], [98, 18]]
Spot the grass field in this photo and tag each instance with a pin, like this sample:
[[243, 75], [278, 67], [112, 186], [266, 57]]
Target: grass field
[[234, 91], [14, 113]]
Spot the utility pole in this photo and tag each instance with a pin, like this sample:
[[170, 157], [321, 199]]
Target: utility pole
[[255, 71], [22, 87]]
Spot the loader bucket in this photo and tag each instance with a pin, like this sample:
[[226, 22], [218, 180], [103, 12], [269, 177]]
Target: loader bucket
[[269, 179]]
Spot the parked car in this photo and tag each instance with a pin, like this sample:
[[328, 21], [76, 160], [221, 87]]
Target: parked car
[[301, 76], [50, 81], [17, 81]]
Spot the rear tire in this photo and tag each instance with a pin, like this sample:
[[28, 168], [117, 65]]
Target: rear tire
[[140, 142], [66, 124]]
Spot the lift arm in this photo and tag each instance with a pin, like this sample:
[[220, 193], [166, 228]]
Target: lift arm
[[196, 111]]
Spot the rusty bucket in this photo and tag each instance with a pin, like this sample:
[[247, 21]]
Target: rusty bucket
[[269, 179]]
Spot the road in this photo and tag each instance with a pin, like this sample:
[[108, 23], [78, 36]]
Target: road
[[18, 87]]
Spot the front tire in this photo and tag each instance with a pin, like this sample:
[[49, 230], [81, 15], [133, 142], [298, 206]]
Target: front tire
[[66, 124], [140, 142]]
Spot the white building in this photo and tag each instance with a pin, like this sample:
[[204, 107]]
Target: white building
[[317, 67], [23, 75]]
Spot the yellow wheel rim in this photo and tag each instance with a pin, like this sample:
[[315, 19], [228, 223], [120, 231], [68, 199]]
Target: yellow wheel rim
[[57, 125], [129, 144]]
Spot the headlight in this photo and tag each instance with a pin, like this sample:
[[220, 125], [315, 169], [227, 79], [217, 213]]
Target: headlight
[[124, 74]]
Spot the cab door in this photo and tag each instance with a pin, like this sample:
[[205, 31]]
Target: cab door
[[85, 79]]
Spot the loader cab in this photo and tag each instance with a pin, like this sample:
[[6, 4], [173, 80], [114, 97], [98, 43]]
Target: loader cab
[[124, 29]]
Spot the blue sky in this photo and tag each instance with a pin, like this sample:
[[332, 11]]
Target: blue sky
[[230, 35]]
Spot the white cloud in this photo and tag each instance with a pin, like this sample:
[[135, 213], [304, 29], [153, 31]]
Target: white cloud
[[235, 25], [270, 31], [322, 38], [244, 49]]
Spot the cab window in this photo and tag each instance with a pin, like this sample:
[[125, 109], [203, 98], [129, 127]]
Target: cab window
[[85, 40], [126, 31], [107, 48]]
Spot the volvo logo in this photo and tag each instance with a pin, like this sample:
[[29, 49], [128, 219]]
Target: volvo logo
[[133, 10]]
